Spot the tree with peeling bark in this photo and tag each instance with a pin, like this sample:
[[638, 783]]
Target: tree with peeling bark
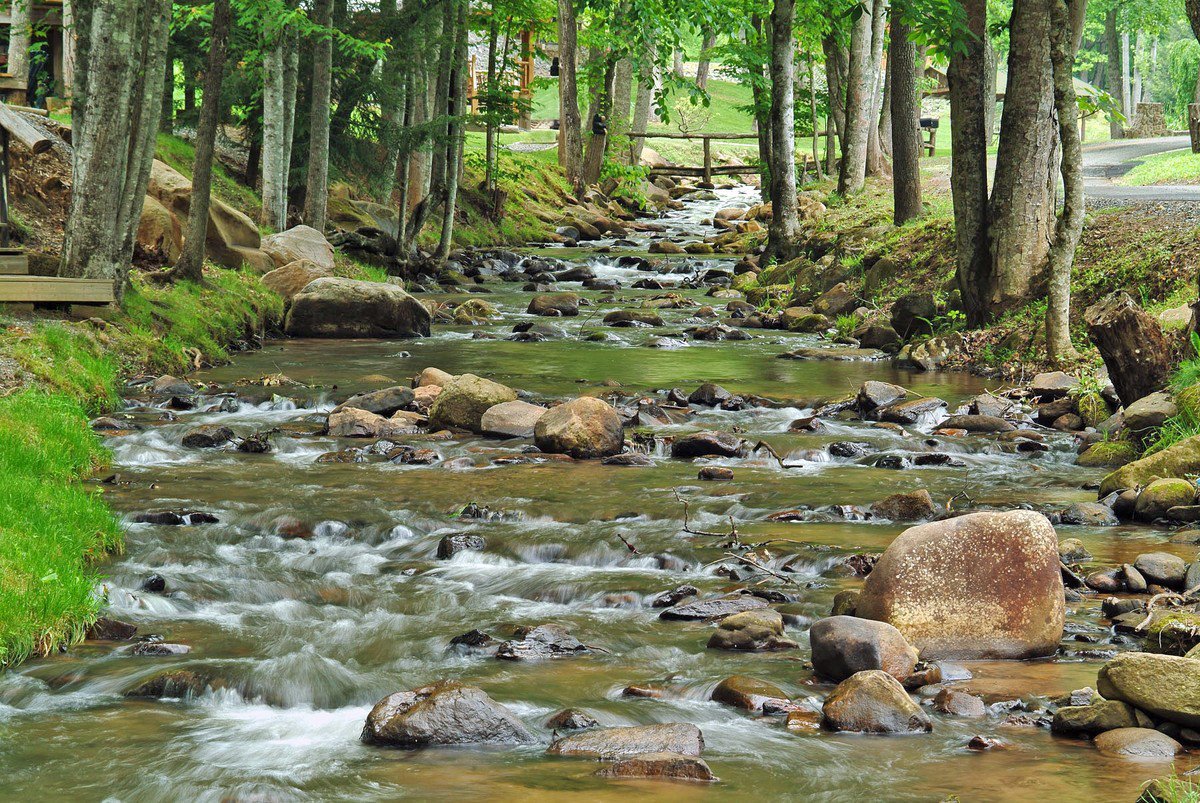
[[123, 53]]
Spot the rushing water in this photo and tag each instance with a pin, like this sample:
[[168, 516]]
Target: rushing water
[[310, 633]]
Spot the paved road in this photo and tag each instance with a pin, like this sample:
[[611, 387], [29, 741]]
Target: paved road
[[1106, 161]]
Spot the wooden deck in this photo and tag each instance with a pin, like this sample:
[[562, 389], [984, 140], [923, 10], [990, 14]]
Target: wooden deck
[[52, 290]]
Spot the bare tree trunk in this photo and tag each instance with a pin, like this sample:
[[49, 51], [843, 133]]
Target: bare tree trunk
[[316, 194], [69, 51], [859, 93], [641, 113], [1112, 76], [989, 89], [593, 158], [1126, 87], [812, 112], [274, 168], [876, 165], [391, 105], [1132, 344], [968, 164], [570, 150], [1063, 45], [491, 122], [705, 64], [835, 81], [114, 146], [454, 148], [622, 97], [784, 228], [18, 43], [191, 260], [906, 124], [167, 121], [762, 118], [1022, 210], [885, 112], [291, 76]]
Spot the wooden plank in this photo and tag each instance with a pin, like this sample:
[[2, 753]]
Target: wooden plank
[[50, 289], [24, 131], [11, 82], [671, 135], [14, 263]]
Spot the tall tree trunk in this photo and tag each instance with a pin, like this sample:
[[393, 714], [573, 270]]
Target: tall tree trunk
[[784, 228], [391, 105], [641, 112], [835, 82], [167, 121], [906, 124], [762, 114], [812, 113], [18, 44], [114, 138], [1126, 83], [570, 150], [968, 164], [1139, 51], [1112, 75], [491, 119], [191, 259], [1022, 209], [101, 143], [274, 168], [885, 112], [69, 52], [859, 101], [593, 158], [316, 194], [622, 97], [1065, 16], [876, 165], [145, 106], [291, 78], [705, 64], [454, 148]]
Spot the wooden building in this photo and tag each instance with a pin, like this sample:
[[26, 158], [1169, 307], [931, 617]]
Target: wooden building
[[29, 79]]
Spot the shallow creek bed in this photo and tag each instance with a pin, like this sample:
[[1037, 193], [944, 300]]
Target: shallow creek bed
[[312, 588]]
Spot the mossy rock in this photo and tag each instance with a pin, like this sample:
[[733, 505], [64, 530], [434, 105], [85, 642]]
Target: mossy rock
[[764, 292], [745, 281], [1178, 460], [1161, 495], [802, 319], [1093, 409], [474, 311], [1175, 633], [782, 273], [1108, 454]]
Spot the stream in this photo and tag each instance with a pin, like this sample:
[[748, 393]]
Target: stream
[[310, 633]]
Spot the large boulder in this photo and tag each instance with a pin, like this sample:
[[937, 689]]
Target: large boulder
[[299, 242], [159, 231], [759, 629], [747, 693], [385, 401], [465, 399], [583, 428], [441, 714], [1098, 717], [333, 307], [1175, 461], [1161, 495], [349, 422], [671, 737], [660, 766], [1144, 743], [1149, 412], [1166, 686], [913, 314], [511, 419], [873, 702], [554, 304], [293, 277], [232, 239], [845, 645], [983, 585]]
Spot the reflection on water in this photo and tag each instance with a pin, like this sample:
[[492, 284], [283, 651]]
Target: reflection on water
[[307, 634]]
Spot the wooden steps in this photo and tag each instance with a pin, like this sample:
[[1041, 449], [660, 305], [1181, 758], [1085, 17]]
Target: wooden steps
[[51, 289], [13, 262]]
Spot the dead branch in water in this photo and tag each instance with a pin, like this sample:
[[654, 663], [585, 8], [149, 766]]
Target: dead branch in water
[[732, 534]]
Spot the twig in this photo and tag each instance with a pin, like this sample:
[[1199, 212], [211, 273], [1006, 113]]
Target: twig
[[756, 565], [770, 450], [628, 545], [1185, 597]]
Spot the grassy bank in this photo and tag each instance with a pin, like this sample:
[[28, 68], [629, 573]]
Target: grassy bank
[[52, 527], [1140, 251]]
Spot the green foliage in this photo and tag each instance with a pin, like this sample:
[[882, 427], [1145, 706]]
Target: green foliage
[[845, 325]]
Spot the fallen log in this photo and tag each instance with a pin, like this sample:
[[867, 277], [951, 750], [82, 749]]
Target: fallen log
[[1133, 346]]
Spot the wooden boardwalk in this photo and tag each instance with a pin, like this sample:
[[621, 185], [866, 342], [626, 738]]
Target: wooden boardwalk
[[18, 287]]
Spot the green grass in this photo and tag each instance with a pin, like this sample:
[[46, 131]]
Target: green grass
[[181, 155], [1173, 167], [51, 527]]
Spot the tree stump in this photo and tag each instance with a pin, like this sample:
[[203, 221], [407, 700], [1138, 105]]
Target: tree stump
[[1133, 346]]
